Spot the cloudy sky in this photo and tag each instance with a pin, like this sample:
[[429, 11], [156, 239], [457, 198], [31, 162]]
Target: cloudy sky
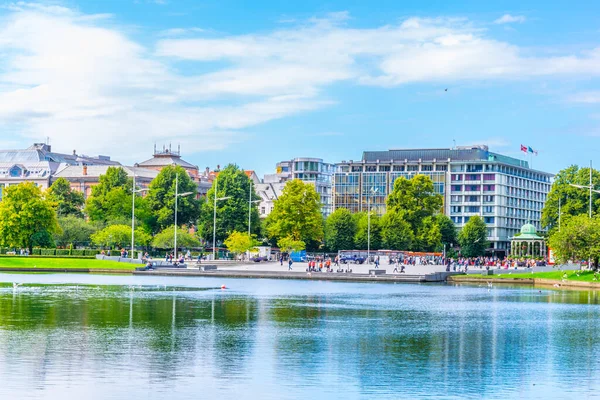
[[256, 84]]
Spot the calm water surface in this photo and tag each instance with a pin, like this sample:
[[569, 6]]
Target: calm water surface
[[112, 337]]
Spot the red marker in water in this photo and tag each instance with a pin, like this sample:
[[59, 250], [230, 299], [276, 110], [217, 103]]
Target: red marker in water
[[223, 287]]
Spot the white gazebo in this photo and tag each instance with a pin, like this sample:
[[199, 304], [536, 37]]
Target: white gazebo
[[528, 243]]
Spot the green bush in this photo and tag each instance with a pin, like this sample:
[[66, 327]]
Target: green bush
[[76, 252], [89, 252], [47, 252], [63, 252], [36, 252]]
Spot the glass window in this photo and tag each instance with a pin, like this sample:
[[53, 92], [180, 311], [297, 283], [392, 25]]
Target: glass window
[[398, 167], [472, 209], [456, 177], [441, 168], [455, 199], [472, 199], [488, 220], [426, 167], [412, 167], [456, 188], [384, 168]]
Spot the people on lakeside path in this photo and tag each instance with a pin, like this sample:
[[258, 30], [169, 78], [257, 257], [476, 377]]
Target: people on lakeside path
[[290, 262]]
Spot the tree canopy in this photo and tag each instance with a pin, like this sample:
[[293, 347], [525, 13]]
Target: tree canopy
[[75, 231], [574, 201], [232, 213], [362, 231], [26, 216], [340, 228], [415, 199], [161, 199], [111, 197], [240, 242], [577, 240], [473, 237], [396, 232], [165, 239], [296, 214], [69, 202]]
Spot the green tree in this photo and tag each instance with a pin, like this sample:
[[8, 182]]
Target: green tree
[[296, 214], [113, 236], [574, 201], [232, 213], [69, 202], [473, 237], [240, 242], [415, 199], [288, 244], [74, 231], [429, 236], [396, 233], [161, 199], [165, 239], [111, 197], [340, 229], [447, 230], [25, 215], [361, 237], [578, 239]]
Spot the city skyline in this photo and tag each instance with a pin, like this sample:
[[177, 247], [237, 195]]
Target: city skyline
[[299, 80]]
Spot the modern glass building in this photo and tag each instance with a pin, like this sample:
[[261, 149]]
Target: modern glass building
[[503, 190], [311, 170]]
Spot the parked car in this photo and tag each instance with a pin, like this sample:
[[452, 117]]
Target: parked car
[[259, 259], [352, 259]]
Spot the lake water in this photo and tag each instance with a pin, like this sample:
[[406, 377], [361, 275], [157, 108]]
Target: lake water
[[123, 337]]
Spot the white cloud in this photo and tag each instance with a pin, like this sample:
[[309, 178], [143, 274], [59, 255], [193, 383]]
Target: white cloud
[[87, 85], [510, 19], [585, 97]]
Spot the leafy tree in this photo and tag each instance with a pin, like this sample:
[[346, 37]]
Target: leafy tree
[[240, 242], [415, 199], [24, 213], [361, 237], [296, 214], [43, 239], [578, 239], [165, 239], [429, 236], [396, 233], [574, 201], [113, 236], [161, 198], [74, 231], [447, 230], [69, 202], [288, 244], [340, 229], [111, 197], [473, 237], [232, 214]]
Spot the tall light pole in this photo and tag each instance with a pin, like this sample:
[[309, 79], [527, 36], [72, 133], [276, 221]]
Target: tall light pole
[[177, 195], [590, 187], [215, 214], [133, 192], [372, 190]]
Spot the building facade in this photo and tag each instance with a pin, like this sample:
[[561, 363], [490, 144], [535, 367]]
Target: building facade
[[38, 164], [311, 170], [503, 190]]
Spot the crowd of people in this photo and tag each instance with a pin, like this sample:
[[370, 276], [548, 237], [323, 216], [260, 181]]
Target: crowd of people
[[463, 263]]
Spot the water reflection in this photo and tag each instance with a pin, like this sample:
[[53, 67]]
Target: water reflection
[[276, 340]]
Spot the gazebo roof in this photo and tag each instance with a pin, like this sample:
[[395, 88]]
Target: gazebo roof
[[528, 232]]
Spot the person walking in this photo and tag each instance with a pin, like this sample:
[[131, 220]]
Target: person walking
[[290, 262], [281, 260]]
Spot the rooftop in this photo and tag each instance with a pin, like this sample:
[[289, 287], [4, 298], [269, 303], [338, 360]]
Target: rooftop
[[166, 157], [40, 152]]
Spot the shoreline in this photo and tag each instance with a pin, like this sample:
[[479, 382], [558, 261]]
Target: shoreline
[[526, 281]]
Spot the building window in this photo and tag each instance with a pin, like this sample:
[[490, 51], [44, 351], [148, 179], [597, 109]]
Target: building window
[[488, 220], [384, 168], [456, 188], [472, 188], [488, 199], [472, 199], [399, 168], [412, 167], [455, 199], [455, 209], [472, 209], [469, 177], [426, 167], [441, 168], [488, 209], [357, 169], [489, 188], [489, 177], [262, 210], [456, 177], [371, 168]]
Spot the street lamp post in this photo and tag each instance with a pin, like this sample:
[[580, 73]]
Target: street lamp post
[[177, 195], [215, 215], [250, 202], [133, 192], [372, 190]]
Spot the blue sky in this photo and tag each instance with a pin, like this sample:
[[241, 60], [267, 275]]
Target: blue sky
[[259, 82]]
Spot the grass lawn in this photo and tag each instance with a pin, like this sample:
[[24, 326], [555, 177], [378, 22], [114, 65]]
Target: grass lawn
[[583, 276], [25, 262]]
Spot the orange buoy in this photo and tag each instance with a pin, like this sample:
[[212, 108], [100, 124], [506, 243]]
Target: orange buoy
[[223, 287]]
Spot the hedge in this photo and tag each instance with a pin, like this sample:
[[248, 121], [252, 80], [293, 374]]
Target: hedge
[[63, 252], [47, 252]]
